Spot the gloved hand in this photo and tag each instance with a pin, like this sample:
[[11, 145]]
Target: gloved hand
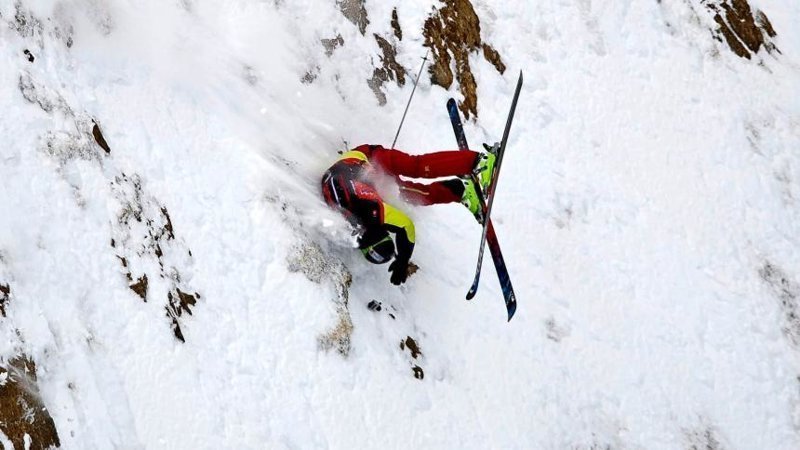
[[399, 270]]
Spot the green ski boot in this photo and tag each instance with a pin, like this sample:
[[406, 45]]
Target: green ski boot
[[485, 166], [470, 198]]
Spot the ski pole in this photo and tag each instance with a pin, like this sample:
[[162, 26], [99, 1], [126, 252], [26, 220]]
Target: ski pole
[[424, 60]]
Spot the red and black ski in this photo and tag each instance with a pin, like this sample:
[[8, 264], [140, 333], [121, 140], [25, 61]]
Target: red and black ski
[[489, 236]]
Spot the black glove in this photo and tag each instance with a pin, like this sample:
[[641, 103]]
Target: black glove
[[399, 269]]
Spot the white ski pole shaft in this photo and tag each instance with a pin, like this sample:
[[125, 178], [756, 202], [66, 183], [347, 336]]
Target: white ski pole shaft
[[424, 60]]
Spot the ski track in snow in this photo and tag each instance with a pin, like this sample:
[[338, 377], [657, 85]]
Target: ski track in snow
[[648, 211]]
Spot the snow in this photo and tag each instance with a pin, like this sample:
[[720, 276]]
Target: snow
[[650, 175]]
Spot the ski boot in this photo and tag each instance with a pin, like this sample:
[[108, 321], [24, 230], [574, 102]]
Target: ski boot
[[484, 166], [471, 199]]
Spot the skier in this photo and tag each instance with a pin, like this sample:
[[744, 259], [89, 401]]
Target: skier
[[349, 186]]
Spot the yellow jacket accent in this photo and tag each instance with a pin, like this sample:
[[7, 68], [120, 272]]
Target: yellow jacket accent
[[393, 216]]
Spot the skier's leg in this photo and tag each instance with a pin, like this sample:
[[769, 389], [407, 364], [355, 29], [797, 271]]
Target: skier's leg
[[430, 165], [447, 191], [462, 190]]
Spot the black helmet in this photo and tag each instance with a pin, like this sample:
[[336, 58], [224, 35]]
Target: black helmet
[[377, 246]]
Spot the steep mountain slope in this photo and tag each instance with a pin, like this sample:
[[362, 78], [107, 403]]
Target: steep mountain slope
[[168, 264]]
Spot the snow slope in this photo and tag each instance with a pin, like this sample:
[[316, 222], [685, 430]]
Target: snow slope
[[648, 212]]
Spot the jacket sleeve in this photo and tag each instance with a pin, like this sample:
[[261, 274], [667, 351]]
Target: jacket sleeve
[[403, 228]]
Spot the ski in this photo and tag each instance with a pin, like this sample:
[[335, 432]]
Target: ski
[[511, 303], [489, 236]]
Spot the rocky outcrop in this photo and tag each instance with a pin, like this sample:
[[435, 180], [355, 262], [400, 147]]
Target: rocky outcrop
[[787, 292], [745, 32], [24, 419], [5, 296], [142, 231], [356, 12], [389, 70], [452, 34], [319, 267]]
